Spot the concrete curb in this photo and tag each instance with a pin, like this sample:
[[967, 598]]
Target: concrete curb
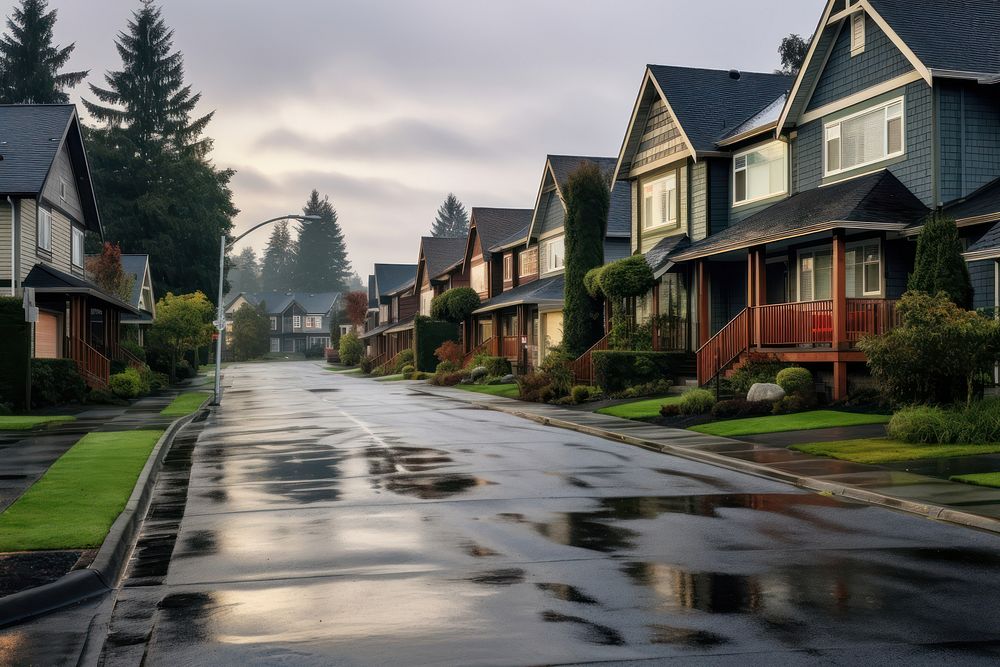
[[927, 510], [103, 573]]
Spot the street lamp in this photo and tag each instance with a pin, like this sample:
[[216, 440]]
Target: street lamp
[[220, 323]]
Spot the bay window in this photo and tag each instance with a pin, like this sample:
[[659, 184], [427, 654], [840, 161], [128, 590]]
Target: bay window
[[553, 254], [760, 173], [660, 202], [864, 138]]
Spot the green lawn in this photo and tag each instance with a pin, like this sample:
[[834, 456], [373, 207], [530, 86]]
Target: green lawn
[[395, 377], [795, 422], [343, 371], [185, 404], [26, 422], [883, 450], [505, 390], [647, 408], [74, 504], [979, 479]]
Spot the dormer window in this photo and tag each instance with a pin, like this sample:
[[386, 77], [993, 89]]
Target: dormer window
[[857, 33]]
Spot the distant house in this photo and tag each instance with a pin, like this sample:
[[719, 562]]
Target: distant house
[[142, 299], [47, 208], [389, 329], [298, 321]]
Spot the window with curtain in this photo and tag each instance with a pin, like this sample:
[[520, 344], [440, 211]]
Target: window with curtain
[[760, 173], [864, 138], [553, 254], [477, 278], [659, 202], [864, 270], [815, 275]]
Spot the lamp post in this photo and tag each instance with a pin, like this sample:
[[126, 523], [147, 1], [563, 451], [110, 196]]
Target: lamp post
[[220, 323]]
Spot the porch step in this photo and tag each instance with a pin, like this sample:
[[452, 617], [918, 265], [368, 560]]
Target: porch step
[[683, 384]]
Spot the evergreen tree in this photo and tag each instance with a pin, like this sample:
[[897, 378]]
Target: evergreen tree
[[356, 284], [939, 265], [279, 260], [321, 262], [30, 63], [159, 193], [452, 219], [587, 201], [244, 272]]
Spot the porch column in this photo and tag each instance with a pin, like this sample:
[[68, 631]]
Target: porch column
[[759, 291], [497, 338], [751, 294], [656, 316], [522, 333], [704, 327], [839, 318]]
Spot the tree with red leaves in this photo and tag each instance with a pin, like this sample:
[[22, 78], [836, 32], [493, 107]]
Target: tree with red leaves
[[107, 273], [356, 307]]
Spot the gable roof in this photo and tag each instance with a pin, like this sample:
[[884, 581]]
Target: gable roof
[[873, 201], [31, 136], [558, 169], [764, 119], [441, 254], [658, 257], [390, 277], [278, 302], [494, 225], [545, 292], [138, 267]]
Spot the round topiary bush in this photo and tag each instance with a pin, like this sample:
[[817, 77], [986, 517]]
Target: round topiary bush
[[696, 402], [592, 281], [627, 278], [127, 384], [408, 369], [796, 381]]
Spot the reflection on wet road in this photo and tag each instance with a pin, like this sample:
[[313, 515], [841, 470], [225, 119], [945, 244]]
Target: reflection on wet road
[[333, 520]]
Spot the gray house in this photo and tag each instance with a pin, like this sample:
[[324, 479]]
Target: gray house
[[299, 321]]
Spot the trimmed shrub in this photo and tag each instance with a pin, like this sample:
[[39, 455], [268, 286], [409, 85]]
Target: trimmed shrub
[[626, 278], [535, 387], [580, 393], [448, 379], [646, 389], [758, 368], [696, 402], [351, 349], [315, 351], [405, 358], [796, 380], [128, 384], [793, 403], [56, 381], [495, 366], [615, 371], [670, 410], [367, 363], [740, 407], [592, 282], [408, 369], [447, 366], [455, 305], [17, 363]]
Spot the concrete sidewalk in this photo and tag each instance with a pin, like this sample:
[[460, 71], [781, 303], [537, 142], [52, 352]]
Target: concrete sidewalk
[[890, 485]]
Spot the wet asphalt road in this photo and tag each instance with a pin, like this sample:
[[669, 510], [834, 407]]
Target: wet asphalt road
[[334, 520]]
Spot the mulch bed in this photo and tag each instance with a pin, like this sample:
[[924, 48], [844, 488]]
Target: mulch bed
[[26, 569]]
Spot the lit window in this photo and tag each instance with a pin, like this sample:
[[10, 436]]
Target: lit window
[[477, 278], [527, 262], [553, 254], [508, 267], [296, 321], [78, 240], [44, 240], [760, 173], [659, 199], [864, 138]]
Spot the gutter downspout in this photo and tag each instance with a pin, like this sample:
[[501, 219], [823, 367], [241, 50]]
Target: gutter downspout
[[13, 247]]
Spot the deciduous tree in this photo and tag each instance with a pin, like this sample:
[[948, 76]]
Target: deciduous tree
[[251, 327], [356, 308], [792, 51], [107, 273], [587, 200], [183, 323]]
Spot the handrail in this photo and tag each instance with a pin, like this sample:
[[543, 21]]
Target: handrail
[[724, 347], [479, 349], [583, 366], [95, 367]]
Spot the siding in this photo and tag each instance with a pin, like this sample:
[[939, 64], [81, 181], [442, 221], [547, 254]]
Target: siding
[[983, 283], [553, 214], [969, 116], [661, 137], [6, 220], [718, 195], [63, 168], [699, 201], [899, 256], [649, 238], [845, 75], [912, 169]]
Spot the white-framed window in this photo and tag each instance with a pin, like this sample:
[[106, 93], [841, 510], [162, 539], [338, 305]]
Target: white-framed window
[[383, 313], [760, 173], [815, 274], [275, 345], [527, 262], [77, 247], [296, 321], [314, 321], [63, 188], [274, 324], [659, 202], [477, 278], [44, 229], [857, 33], [553, 254], [508, 267], [864, 138], [864, 269], [425, 301]]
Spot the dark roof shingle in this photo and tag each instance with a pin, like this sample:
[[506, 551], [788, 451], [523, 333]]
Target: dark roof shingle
[[390, 277], [494, 225], [440, 254], [545, 291]]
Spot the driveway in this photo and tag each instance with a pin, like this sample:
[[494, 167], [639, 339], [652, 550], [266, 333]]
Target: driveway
[[335, 520]]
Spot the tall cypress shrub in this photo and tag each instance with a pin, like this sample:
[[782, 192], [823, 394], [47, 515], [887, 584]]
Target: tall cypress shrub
[[939, 265], [587, 200]]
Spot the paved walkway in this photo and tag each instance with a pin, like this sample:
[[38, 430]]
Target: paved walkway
[[915, 484]]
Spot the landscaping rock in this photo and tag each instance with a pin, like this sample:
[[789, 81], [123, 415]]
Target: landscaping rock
[[477, 373], [508, 379], [765, 391]]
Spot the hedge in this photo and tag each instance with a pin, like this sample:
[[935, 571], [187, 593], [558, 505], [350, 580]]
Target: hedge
[[16, 336], [616, 370], [428, 335], [56, 381]]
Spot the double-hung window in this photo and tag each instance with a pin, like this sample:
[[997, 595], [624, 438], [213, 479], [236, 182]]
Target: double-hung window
[[508, 267], [527, 262], [314, 321], [77, 247], [760, 173], [296, 321], [815, 275], [274, 323], [864, 138], [44, 229], [660, 202], [477, 278], [864, 269], [553, 254]]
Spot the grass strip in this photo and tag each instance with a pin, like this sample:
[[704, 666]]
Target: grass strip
[[185, 404], [800, 421], [991, 479], [505, 390], [343, 371], [883, 450], [647, 408], [28, 422], [75, 502]]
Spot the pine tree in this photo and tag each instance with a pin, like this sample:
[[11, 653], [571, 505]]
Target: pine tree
[[452, 219], [279, 260], [587, 201], [159, 193], [939, 265], [244, 272], [321, 262], [30, 63]]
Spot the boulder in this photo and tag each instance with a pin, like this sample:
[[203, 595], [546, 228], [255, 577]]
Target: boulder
[[508, 379], [477, 373], [765, 391]]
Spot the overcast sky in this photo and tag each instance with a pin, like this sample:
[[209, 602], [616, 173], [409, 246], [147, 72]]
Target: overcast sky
[[386, 106]]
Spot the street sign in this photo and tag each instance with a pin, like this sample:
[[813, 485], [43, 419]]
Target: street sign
[[221, 326]]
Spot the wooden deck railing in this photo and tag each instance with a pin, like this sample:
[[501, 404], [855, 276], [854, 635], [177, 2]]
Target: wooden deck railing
[[583, 366], [485, 347], [724, 347], [510, 347], [94, 366], [870, 317], [130, 359], [800, 323]]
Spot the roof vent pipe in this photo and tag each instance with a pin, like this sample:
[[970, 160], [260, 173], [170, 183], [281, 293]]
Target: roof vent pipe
[[734, 74]]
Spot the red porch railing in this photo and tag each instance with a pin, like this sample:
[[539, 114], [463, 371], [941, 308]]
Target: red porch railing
[[486, 347], [800, 323], [870, 317], [583, 366], [94, 366], [724, 347], [510, 347]]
